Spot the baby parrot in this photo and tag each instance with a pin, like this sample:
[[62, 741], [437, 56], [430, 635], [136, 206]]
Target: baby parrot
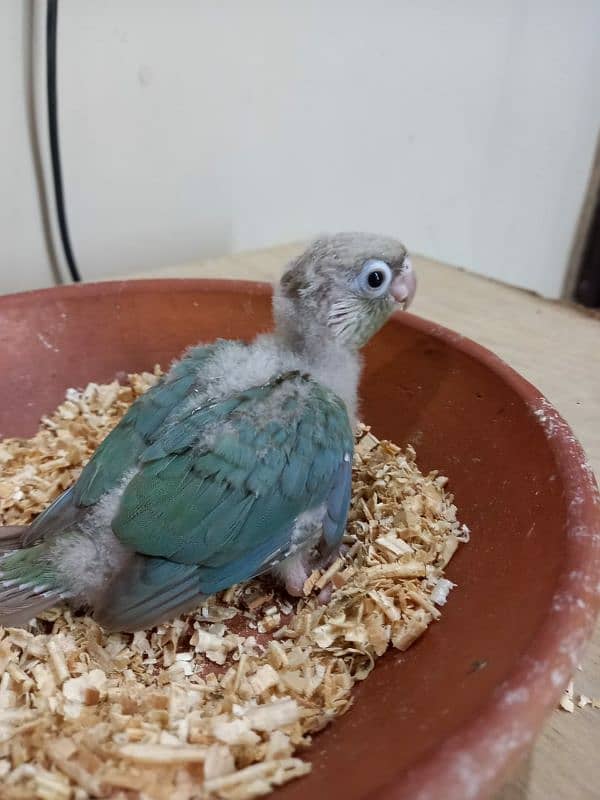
[[237, 463]]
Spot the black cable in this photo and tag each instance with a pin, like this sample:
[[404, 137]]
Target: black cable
[[51, 24]]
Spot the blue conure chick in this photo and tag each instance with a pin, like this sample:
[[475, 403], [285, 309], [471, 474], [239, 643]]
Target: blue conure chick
[[237, 463]]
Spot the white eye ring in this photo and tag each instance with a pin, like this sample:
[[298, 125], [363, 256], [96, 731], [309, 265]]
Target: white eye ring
[[374, 278]]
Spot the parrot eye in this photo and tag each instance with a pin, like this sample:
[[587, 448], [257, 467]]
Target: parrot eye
[[374, 278]]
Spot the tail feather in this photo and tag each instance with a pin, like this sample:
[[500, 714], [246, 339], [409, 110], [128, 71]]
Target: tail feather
[[20, 606], [11, 537], [28, 585], [148, 591]]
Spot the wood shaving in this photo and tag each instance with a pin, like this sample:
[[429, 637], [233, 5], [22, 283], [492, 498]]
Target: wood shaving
[[567, 700], [571, 700], [219, 703]]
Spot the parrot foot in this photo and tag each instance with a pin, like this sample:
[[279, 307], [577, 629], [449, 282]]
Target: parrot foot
[[296, 570], [294, 575], [324, 595]]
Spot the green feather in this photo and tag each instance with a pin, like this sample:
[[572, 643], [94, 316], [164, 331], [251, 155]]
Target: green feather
[[122, 448], [214, 504]]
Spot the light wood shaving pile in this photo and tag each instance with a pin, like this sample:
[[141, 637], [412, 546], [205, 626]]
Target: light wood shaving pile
[[218, 703]]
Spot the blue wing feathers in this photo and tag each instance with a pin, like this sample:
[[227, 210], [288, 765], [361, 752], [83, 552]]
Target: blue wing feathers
[[149, 591], [60, 516], [120, 451], [338, 503], [217, 489], [212, 506]]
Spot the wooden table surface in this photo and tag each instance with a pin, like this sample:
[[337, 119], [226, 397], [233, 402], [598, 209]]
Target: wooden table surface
[[557, 348]]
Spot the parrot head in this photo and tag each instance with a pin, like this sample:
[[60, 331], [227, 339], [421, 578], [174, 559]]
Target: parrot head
[[344, 286]]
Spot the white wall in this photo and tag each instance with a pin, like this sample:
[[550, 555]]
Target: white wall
[[204, 127], [24, 262]]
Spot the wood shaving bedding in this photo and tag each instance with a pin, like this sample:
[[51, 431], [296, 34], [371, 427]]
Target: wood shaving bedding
[[221, 702]]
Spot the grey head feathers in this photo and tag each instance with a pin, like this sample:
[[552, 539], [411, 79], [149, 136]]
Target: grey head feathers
[[341, 288]]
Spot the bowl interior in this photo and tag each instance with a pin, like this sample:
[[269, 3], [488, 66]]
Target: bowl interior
[[463, 418]]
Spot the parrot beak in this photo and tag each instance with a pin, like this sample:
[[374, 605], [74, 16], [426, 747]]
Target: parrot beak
[[404, 285]]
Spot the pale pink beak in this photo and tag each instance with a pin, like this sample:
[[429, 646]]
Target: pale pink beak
[[404, 285]]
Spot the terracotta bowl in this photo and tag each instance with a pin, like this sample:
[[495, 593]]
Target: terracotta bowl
[[448, 718]]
